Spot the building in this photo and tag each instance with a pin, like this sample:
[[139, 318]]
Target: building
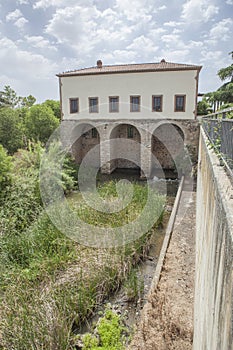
[[153, 104]]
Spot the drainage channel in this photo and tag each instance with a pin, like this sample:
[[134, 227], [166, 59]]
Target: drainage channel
[[147, 272]]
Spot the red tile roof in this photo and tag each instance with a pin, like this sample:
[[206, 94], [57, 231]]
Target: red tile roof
[[131, 68]]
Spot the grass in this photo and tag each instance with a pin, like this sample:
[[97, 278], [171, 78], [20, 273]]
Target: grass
[[49, 284]]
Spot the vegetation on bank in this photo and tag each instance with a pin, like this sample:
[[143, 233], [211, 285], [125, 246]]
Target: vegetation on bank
[[50, 284], [22, 120], [222, 98], [109, 333]]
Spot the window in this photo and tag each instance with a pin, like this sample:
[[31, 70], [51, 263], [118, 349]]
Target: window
[[94, 133], [113, 104], [180, 103], [93, 105], [157, 102], [130, 132], [74, 105], [134, 103]]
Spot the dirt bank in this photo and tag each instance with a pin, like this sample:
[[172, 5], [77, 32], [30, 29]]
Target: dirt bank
[[167, 318]]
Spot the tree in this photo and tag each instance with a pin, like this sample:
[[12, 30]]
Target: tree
[[9, 98], [11, 129], [224, 94], [55, 106], [203, 107], [226, 73], [5, 169], [226, 90], [28, 101], [40, 123]]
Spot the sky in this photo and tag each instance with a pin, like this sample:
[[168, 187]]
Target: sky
[[41, 38]]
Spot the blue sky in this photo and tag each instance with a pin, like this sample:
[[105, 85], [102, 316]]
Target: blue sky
[[41, 38]]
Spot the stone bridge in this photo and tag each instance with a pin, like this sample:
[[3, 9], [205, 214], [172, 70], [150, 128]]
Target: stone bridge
[[158, 143]]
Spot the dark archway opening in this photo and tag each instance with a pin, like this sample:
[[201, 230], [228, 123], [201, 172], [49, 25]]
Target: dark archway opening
[[86, 137], [167, 145], [125, 155]]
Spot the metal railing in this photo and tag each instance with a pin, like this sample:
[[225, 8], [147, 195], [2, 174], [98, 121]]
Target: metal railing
[[219, 130]]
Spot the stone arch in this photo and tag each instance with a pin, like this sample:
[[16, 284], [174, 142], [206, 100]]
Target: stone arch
[[167, 145], [85, 137], [128, 150]]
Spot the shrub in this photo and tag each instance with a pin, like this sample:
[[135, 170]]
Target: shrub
[[5, 169]]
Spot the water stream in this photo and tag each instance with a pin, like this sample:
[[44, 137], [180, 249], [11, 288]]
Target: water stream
[[120, 301]]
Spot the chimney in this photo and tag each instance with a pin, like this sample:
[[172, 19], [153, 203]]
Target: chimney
[[99, 64]]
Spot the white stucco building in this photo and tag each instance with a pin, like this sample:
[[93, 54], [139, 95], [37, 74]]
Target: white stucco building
[[142, 102]]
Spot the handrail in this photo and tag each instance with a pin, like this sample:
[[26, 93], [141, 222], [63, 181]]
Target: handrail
[[225, 161], [223, 112]]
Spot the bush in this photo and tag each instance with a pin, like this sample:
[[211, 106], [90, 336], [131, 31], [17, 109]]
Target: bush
[[5, 169], [11, 130], [40, 123]]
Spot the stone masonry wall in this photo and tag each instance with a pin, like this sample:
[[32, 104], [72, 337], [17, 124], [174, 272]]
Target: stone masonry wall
[[143, 149]]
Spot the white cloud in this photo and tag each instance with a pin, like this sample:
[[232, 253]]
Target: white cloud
[[28, 72], [119, 56], [12, 16], [39, 42], [175, 55], [16, 17], [18, 62], [163, 7], [143, 43], [172, 24], [21, 22], [22, 2], [71, 24], [86, 29], [177, 31], [199, 10], [195, 44], [211, 57], [221, 30], [156, 33], [116, 31], [44, 4], [173, 40], [141, 9]]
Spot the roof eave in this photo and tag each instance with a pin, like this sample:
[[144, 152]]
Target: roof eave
[[70, 74]]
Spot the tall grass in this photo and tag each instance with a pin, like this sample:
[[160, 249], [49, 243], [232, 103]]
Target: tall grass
[[50, 284]]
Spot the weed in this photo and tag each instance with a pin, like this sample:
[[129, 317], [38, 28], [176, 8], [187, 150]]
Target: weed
[[110, 334], [50, 284]]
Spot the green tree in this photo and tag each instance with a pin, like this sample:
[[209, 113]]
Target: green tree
[[55, 106], [9, 98], [40, 123], [5, 169], [203, 107], [11, 129], [226, 73], [28, 101], [223, 95]]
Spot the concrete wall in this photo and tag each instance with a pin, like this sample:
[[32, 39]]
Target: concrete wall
[[214, 252], [145, 84]]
